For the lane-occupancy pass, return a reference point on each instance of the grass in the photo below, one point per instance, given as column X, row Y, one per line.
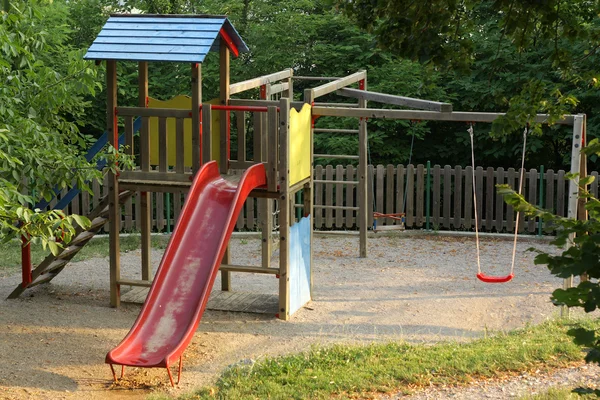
column 558, row 394
column 361, row 371
column 97, row 247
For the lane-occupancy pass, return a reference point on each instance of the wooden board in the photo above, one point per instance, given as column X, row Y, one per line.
column 256, row 303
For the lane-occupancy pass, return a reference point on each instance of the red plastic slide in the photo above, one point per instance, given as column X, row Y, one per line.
column 186, row 274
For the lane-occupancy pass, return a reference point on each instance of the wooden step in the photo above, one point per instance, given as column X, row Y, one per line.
column 41, row 279
column 82, row 237
column 56, row 264
column 69, row 251
column 98, row 222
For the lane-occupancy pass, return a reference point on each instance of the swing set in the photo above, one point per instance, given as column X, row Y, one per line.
column 425, row 110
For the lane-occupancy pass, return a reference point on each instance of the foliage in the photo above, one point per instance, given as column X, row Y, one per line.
column 580, row 241
column 525, row 57
column 41, row 103
column 344, row 371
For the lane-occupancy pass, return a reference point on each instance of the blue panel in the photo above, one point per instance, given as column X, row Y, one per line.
column 157, row 34
column 147, row 48
column 299, row 264
column 148, row 34
column 193, row 58
column 153, row 40
column 169, row 20
column 164, row 27
column 161, row 38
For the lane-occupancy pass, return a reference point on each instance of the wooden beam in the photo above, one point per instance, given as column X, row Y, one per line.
column 279, row 88
column 284, row 210
column 257, row 82
column 457, row 116
column 363, row 190
column 263, row 103
column 396, row 100
column 243, row 268
column 145, row 206
column 224, row 134
column 578, row 127
column 224, row 58
column 196, row 125
column 337, row 84
column 114, row 215
column 206, row 134
column 142, row 111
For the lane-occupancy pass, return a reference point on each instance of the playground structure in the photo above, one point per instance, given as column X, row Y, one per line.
column 274, row 170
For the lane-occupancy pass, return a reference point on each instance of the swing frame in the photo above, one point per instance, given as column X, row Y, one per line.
column 362, row 112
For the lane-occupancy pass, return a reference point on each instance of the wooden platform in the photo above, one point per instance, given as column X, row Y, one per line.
column 222, row 301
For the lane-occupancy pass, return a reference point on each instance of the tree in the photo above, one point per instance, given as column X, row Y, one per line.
column 41, row 102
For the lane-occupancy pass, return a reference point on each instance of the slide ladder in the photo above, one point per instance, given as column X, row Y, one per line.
column 52, row 265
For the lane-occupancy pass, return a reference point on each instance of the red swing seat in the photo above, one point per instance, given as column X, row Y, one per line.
column 494, row 279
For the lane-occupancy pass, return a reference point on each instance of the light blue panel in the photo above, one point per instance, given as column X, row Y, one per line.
column 148, row 48
column 95, row 55
column 149, row 33
column 170, row 26
column 168, row 19
column 300, row 264
column 122, row 40
column 164, row 38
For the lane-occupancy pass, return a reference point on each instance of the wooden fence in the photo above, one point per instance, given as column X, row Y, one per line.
column 391, row 189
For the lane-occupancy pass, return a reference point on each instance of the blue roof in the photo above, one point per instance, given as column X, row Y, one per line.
column 175, row 38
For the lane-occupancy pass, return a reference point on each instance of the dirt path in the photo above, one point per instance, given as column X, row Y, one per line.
column 415, row 288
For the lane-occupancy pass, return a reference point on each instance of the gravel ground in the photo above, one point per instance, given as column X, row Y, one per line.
column 414, row 288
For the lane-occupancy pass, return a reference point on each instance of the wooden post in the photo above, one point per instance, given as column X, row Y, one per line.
column 224, row 97
column 578, row 124
column 582, row 213
column 196, row 101
column 145, row 206
column 224, row 142
column 363, row 211
column 265, row 206
column 285, row 213
column 113, row 185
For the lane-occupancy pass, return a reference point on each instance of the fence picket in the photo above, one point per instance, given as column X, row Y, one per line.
column 436, row 197
column 479, row 190
column 457, row 195
column 350, row 197
column 379, row 171
column 447, row 201
column 329, row 197
column 420, row 206
column 532, row 197
column 389, row 193
column 370, row 193
column 489, row 198
column 510, row 213
column 318, row 219
column 400, row 186
column 499, row 216
column 339, row 196
column 410, row 191
column 560, row 193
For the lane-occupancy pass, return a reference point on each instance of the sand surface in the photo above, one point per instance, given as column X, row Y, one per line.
column 415, row 288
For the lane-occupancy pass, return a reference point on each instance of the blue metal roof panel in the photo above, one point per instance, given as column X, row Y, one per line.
column 161, row 38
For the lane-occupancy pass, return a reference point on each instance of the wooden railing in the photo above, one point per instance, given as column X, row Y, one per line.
column 392, row 189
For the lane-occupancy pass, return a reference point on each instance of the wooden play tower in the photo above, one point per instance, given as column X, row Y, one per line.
column 167, row 163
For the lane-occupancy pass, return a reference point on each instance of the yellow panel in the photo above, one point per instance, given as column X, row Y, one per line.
column 180, row 102
column 300, row 144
